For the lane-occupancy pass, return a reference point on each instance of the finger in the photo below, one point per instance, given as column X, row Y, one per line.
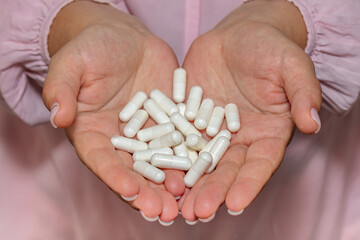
column 261, row 160
column 304, row 92
column 174, row 182
column 61, row 88
column 170, row 209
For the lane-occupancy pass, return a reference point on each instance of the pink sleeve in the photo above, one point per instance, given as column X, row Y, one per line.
column 24, row 58
column 334, row 46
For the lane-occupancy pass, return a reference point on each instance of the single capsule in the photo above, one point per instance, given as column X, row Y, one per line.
column 168, row 140
column 232, row 117
column 196, row 142
column 179, row 85
column 165, row 103
column 222, row 133
column 183, row 125
column 136, row 122
column 193, row 102
column 149, row 171
column 193, row 154
column 203, row 115
column 155, row 112
column 128, row 144
column 150, row 133
column 217, row 151
column 216, row 120
column 181, row 150
column 132, row 106
column 198, row 169
column 182, row 108
column 170, row 161
column 145, row 155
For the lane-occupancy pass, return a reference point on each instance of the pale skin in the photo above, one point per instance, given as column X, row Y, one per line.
column 252, row 58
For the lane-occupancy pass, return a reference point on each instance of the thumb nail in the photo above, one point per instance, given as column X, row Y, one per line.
column 53, row 111
column 315, row 116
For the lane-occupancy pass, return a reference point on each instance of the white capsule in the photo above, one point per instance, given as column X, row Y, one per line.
column 183, row 125
column 216, row 120
column 155, row 112
column 222, row 133
column 182, row 108
column 193, row 102
column 150, row 133
column 217, row 151
column 181, row 150
column 136, row 122
column 170, row 161
column 165, row 103
column 168, row 140
column 145, row 155
column 179, row 85
column 128, row 144
column 132, row 106
column 196, row 142
column 232, row 117
column 149, row 171
column 193, row 154
column 203, row 115
column 198, row 169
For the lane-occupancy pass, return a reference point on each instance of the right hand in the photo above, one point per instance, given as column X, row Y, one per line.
column 91, row 76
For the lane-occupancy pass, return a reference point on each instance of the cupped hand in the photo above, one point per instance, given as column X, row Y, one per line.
column 90, row 79
column 273, row 83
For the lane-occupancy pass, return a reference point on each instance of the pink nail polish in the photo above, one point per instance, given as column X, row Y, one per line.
column 315, row 116
column 53, row 111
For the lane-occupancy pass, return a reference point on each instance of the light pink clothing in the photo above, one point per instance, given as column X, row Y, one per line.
column 46, row 193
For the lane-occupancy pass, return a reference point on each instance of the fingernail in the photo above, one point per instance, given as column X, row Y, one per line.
column 205, row 220
column 315, row 116
column 129, row 199
column 148, row 218
column 53, row 111
column 165, row 223
column 235, row 213
column 191, row 222
column 177, row 198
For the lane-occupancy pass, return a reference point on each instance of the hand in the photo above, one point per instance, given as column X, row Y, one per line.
column 248, row 61
column 93, row 73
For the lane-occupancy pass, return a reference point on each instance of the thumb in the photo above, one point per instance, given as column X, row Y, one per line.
column 61, row 88
column 304, row 93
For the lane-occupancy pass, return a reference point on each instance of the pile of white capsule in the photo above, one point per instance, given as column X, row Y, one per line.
column 175, row 143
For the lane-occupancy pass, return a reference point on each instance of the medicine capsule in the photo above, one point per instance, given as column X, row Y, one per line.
column 182, row 108
column 183, row 125
column 217, row 151
column 203, row 115
column 224, row 133
column 145, row 155
column 168, row 140
column 149, row 171
column 155, row 112
column 193, row 154
column 170, row 161
column 198, row 169
column 181, row 150
column 193, row 102
column 216, row 120
column 165, row 103
column 128, row 144
column 196, row 142
column 136, row 122
column 179, row 85
column 132, row 106
column 150, row 133
column 232, row 117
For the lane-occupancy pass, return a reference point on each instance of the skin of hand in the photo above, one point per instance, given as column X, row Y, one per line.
column 100, row 58
column 254, row 58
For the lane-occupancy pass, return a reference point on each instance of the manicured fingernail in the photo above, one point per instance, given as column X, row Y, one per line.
column 235, row 213
column 53, row 111
column 191, row 222
column 205, row 220
column 177, row 198
column 129, row 199
column 315, row 116
column 165, row 223
column 148, row 218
